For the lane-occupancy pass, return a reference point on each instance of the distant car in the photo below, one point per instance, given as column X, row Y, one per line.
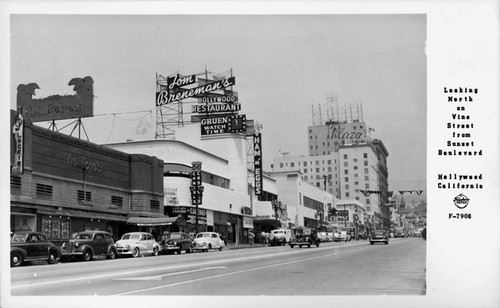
column 399, row 233
column 280, row 237
column 136, row 244
column 379, row 236
column 205, row 241
column 341, row 236
column 87, row 244
column 26, row 246
column 176, row 242
column 304, row 237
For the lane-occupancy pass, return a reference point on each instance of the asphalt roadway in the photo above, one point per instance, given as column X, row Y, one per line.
column 353, row 268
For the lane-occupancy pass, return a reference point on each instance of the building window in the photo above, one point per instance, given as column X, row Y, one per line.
column 366, row 163
column 365, row 155
column 368, row 208
column 347, row 195
column 347, row 186
column 367, row 201
column 305, row 164
column 355, row 167
column 366, row 178
column 329, row 169
column 116, row 201
column 292, row 164
column 346, row 171
column 43, row 189
column 345, row 156
column 355, row 160
column 84, row 196
column 366, row 170
column 329, row 161
column 155, row 206
column 305, row 170
column 281, row 165
column 346, row 179
column 345, row 164
column 355, row 175
column 356, row 183
column 357, row 198
column 367, row 185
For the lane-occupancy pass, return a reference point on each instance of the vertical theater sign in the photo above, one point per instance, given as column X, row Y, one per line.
column 18, row 132
column 257, row 146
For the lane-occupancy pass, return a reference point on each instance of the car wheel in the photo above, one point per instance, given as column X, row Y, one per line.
column 87, row 255
column 52, row 258
column 300, row 246
column 155, row 251
column 178, row 251
column 112, row 254
column 291, row 246
column 317, row 244
column 136, row 252
column 371, row 243
column 387, row 242
column 209, row 246
column 220, row 248
column 308, row 245
column 189, row 250
column 16, row 259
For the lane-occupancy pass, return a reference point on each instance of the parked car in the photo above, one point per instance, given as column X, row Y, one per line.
column 280, row 237
column 87, row 244
column 136, row 244
column 205, row 241
column 341, row 236
column 176, row 242
column 379, row 236
column 27, row 246
column 304, row 237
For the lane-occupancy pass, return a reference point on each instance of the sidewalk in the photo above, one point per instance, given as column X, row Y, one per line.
column 243, row 246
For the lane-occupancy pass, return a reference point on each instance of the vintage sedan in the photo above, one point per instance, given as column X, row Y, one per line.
column 26, row 246
column 304, row 237
column 176, row 242
column 136, row 244
column 87, row 244
column 379, row 236
column 205, row 241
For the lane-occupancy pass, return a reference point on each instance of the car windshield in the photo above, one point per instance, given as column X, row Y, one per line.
column 18, row 238
column 83, row 236
column 131, row 236
column 378, row 232
column 171, row 236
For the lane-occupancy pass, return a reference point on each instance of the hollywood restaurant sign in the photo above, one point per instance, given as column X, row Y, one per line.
column 177, row 94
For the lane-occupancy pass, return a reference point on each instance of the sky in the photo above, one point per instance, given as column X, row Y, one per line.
column 283, row 64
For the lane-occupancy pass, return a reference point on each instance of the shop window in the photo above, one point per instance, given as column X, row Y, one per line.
column 55, row 228
column 116, row 201
column 15, row 181
column 155, row 206
column 43, row 190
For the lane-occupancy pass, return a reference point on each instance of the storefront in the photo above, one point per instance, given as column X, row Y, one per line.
column 157, row 225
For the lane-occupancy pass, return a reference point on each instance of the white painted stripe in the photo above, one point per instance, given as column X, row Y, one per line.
column 160, row 277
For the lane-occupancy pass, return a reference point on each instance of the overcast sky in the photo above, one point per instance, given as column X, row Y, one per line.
column 283, row 65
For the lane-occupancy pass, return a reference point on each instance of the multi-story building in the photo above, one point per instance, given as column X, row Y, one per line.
column 347, row 163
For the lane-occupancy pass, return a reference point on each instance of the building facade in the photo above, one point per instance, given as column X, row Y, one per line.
column 61, row 184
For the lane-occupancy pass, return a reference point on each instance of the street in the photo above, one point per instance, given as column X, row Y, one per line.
column 352, row 268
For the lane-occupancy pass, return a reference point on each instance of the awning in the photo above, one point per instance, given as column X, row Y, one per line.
column 156, row 221
column 267, row 222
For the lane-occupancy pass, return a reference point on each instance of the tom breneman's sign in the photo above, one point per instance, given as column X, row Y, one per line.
column 177, row 94
column 223, row 125
column 257, row 148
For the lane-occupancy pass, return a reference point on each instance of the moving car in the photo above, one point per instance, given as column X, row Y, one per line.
column 342, row 236
column 26, row 246
column 205, row 241
column 280, row 237
column 136, row 244
column 304, row 237
column 176, row 242
column 87, row 244
column 379, row 236
column 399, row 232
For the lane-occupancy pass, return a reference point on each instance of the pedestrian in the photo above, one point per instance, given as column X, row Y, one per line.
column 250, row 237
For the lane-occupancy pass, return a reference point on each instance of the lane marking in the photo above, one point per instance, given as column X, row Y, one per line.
column 160, row 277
column 234, row 273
